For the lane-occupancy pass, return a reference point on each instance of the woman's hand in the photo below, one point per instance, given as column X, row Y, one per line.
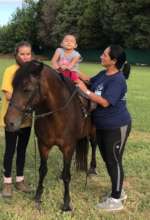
column 82, row 86
column 92, row 96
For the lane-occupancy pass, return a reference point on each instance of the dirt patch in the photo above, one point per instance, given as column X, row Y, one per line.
column 140, row 136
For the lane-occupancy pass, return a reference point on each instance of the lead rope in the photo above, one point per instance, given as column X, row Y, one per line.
column 86, row 178
column 35, row 151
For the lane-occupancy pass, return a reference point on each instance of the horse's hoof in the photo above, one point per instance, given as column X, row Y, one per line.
column 66, row 209
column 92, row 172
column 38, row 205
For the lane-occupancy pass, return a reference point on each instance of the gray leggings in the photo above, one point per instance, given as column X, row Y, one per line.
column 111, row 144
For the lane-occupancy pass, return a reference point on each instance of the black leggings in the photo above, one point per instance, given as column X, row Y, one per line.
column 15, row 140
column 111, row 143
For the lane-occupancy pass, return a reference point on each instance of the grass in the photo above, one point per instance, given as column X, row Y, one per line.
column 136, row 164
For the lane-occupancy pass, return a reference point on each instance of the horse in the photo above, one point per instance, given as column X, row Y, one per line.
column 59, row 119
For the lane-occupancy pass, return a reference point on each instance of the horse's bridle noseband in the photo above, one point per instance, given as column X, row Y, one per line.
column 27, row 110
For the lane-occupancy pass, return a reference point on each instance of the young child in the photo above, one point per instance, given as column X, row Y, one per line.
column 66, row 59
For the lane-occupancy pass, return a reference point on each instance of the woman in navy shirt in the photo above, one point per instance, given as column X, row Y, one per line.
column 112, row 119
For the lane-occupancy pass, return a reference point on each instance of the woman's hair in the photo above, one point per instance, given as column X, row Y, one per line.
column 118, row 53
column 21, row 44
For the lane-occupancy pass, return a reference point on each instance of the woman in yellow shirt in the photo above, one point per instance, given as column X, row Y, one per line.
column 15, row 140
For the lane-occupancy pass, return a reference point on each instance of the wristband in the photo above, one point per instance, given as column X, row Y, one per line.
column 88, row 92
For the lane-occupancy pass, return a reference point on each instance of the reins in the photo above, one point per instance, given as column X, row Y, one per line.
column 28, row 111
column 59, row 109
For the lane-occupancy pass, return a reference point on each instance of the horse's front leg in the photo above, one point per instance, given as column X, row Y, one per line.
column 66, row 179
column 42, row 174
column 92, row 169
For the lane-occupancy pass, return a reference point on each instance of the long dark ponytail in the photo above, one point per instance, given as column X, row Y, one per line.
column 118, row 53
column 126, row 70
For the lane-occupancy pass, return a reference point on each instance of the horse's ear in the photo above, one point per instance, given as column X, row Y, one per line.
column 36, row 67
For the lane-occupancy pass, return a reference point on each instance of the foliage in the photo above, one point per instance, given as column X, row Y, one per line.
column 97, row 23
column 20, row 27
column 48, row 10
column 90, row 30
column 7, row 39
column 67, row 19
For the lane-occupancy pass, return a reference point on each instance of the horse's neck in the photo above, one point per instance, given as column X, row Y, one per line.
column 54, row 91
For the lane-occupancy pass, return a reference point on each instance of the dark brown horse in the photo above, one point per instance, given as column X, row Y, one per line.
column 59, row 119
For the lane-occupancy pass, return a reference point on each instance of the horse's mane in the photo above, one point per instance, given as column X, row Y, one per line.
column 65, row 80
column 68, row 82
column 29, row 68
column 35, row 68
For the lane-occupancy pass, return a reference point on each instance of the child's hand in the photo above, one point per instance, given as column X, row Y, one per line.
column 64, row 67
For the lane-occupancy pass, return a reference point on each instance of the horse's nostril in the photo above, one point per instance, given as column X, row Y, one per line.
column 11, row 124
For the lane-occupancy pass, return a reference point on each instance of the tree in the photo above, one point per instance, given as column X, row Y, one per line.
column 127, row 22
column 48, row 11
column 7, row 39
column 22, row 26
column 67, row 19
column 90, row 27
column 97, row 23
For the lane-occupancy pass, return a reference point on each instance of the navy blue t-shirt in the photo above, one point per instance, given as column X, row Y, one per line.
column 113, row 88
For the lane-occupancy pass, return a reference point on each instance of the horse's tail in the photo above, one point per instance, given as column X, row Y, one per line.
column 81, row 159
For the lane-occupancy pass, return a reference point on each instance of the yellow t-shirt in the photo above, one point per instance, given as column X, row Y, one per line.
column 7, row 86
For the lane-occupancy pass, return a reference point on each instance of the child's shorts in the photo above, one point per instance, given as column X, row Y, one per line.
column 73, row 75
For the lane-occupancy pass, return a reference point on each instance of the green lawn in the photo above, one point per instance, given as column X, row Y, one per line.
column 136, row 165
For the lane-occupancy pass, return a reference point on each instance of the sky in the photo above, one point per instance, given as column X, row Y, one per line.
column 7, row 8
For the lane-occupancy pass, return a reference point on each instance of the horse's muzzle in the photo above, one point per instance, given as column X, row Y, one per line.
column 12, row 125
column 11, row 128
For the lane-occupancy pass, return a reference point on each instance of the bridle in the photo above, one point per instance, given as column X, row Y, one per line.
column 27, row 110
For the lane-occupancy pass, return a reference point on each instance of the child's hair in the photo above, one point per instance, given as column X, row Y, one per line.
column 118, row 53
column 21, row 44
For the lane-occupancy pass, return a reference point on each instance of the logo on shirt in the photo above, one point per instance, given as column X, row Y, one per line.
column 99, row 89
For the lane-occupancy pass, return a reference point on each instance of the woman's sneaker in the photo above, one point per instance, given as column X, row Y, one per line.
column 110, row 204
column 123, row 196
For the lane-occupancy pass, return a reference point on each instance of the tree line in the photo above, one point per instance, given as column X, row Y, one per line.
column 96, row 23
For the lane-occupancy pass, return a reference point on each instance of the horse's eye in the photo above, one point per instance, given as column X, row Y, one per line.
column 26, row 91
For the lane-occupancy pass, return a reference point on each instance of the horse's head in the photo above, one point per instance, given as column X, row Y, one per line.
column 25, row 95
